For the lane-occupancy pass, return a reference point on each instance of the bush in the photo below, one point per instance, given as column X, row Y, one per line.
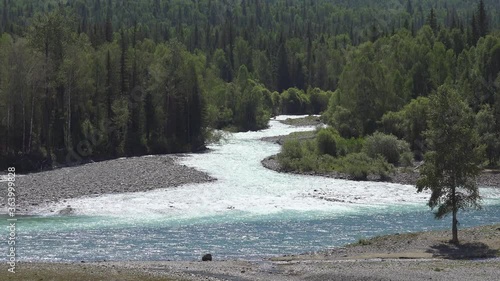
column 364, row 242
column 326, row 143
column 359, row 166
column 326, row 163
column 291, row 153
column 392, row 123
column 406, row 159
column 382, row 168
column 347, row 123
column 356, row 165
column 348, row 146
column 299, row 156
column 387, row 146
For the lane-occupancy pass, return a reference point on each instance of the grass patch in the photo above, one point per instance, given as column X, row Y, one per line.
column 363, row 242
column 84, row 272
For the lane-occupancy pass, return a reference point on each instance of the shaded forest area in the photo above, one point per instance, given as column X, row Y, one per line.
column 98, row 79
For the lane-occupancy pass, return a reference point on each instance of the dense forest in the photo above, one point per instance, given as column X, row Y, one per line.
column 97, row 79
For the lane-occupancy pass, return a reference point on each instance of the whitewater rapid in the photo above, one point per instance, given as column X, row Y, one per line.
column 249, row 212
column 244, row 188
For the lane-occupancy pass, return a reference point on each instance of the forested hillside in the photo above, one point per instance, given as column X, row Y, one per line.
column 98, row 79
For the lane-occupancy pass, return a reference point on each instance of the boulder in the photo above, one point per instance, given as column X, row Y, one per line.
column 207, row 257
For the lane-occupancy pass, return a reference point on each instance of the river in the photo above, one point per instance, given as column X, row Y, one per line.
column 248, row 213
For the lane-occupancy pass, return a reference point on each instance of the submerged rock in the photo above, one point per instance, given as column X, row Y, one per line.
column 67, row 211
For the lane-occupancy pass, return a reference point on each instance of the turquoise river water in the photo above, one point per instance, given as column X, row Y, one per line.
column 248, row 213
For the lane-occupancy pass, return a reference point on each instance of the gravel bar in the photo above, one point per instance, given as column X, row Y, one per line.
column 122, row 175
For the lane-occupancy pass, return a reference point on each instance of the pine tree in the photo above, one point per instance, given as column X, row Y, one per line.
column 409, row 7
column 123, row 64
column 432, row 21
column 109, row 22
column 5, row 16
column 475, row 33
column 283, row 71
column 453, row 162
column 482, row 20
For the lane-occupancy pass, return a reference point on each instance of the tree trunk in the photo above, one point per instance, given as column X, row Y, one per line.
column 454, row 228
column 68, row 143
column 31, row 119
column 24, row 127
column 7, row 138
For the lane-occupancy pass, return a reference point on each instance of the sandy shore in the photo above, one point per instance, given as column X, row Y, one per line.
column 413, row 256
column 113, row 176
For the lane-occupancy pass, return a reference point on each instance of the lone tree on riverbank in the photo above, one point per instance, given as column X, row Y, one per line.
column 453, row 161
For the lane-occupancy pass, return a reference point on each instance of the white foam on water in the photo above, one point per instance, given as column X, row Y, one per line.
column 245, row 189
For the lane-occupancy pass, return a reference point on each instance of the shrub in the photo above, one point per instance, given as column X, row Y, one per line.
column 291, row 153
column 392, row 123
column 382, row 168
column 406, row 159
column 345, row 121
column 348, row 146
column 298, row 156
column 326, row 143
column 359, row 166
column 356, row 165
column 326, row 163
column 387, row 146
column 364, row 242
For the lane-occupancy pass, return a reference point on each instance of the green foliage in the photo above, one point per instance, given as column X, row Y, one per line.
column 296, row 156
column 151, row 76
column 406, row 159
column 294, row 101
column 344, row 121
column 364, row 242
column 382, row 168
column 244, row 105
column 359, row 166
column 318, row 100
column 326, row 142
column 386, row 146
column 321, row 155
column 409, row 124
column 453, row 162
column 486, row 128
column 348, row 146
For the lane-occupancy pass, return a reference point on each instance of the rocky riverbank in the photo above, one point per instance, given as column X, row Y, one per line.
column 401, row 176
column 410, row 256
column 114, row 176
